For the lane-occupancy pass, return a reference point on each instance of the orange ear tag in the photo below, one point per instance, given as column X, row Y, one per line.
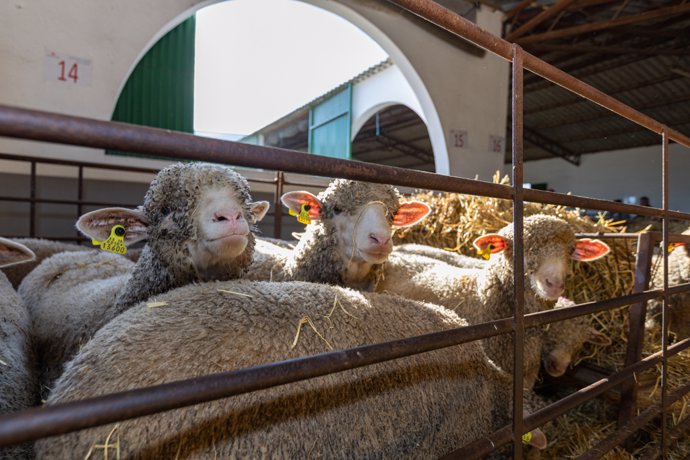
column 486, row 252
column 673, row 246
column 115, row 242
column 303, row 216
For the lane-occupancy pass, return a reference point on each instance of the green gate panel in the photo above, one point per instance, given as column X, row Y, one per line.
column 160, row 90
column 330, row 126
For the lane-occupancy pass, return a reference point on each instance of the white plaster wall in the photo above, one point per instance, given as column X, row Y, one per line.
column 618, row 174
column 385, row 88
column 456, row 90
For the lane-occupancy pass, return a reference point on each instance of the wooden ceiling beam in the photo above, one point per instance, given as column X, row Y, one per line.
column 659, row 13
column 513, row 14
column 553, row 10
column 592, row 49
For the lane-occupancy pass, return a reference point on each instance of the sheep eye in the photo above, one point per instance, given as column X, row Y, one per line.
column 165, row 211
column 337, row 210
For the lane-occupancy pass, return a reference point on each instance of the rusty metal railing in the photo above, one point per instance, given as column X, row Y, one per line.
column 48, row 127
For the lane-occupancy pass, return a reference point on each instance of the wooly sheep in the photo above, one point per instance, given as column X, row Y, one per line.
column 679, row 304
column 17, row 364
column 197, row 220
column 421, row 406
column 45, row 248
column 348, row 239
column 481, row 295
column 449, row 257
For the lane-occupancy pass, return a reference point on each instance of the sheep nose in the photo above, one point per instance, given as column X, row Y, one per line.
column 226, row 215
column 554, row 284
column 380, row 240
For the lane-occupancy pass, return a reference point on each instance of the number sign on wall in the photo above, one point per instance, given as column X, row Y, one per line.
column 67, row 70
column 458, row 139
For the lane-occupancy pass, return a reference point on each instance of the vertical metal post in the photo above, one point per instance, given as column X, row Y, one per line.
column 664, row 314
column 80, row 193
column 637, row 312
column 32, row 204
column 278, row 213
column 518, row 257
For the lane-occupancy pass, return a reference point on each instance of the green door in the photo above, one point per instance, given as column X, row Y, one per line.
column 330, row 125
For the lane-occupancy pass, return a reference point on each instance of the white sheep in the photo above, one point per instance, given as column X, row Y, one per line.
column 481, row 295
column 679, row 304
column 421, row 406
column 449, row 257
column 348, row 239
column 197, row 220
column 17, row 364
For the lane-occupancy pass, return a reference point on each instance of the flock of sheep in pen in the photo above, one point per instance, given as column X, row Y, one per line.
column 206, row 295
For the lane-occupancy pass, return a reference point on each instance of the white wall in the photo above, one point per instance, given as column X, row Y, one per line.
column 618, row 174
column 457, row 91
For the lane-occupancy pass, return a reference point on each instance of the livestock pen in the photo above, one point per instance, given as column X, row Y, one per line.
column 45, row 421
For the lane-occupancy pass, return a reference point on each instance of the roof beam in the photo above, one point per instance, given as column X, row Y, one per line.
column 592, row 49
column 601, row 25
column 538, row 19
column 517, row 10
column 551, row 146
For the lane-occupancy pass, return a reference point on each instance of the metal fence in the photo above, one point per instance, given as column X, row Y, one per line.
column 41, row 126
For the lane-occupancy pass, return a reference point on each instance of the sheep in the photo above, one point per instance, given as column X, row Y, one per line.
column 17, row 363
column 679, row 304
column 481, row 295
column 420, row 406
column 43, row 249
column 449, row 257
column 348, row 239
column 198, row 221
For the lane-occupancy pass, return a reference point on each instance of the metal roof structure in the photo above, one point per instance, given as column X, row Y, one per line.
column 637, row 51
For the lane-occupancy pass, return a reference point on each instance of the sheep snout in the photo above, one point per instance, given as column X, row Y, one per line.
column 557, row 362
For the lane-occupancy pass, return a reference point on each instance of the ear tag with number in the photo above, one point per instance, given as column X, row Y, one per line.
column 303, row 216
column 115, row 242
column 486, row 252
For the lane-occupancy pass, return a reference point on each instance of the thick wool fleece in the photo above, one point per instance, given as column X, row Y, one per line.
column 481, row 295
column 449, row 257
column 316, row 257
column 17, row 371
column 421, row 406
column 165, row 262
column 71, row 295
column 679, row 304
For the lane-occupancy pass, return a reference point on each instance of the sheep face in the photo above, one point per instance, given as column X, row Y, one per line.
column 549, row 243
column 196, row 217
column 361, row 215
column 12, row 253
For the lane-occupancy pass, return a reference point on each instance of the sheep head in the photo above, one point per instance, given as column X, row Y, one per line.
column 196, row 217
column 362, row 216
column 549, row 243
column 12, row 253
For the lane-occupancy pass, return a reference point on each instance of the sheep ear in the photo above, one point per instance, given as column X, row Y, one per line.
column 410, row 213
column 537, row 438
column 97, row 224
column 14, row 253
column 597, row 338
column 295, row 200
column 259, row 209
column 497, row 242
column 587, row 250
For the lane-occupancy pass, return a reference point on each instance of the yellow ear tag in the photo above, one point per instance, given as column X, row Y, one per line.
column 115, row 242
column 486, row 252
column 527, row 437
column 303, row 216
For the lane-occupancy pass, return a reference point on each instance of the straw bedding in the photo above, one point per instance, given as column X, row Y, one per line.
column 457, row 220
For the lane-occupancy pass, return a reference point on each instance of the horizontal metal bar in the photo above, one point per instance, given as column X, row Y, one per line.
column 65, row 129
column 484, row 446
column 34, row 423
column 454, row 23
column 70, row 202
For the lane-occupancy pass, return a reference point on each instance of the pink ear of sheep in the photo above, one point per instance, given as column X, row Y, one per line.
column 97, row 224
column 496, row 241
column 410, row 213
column 588, row 250
column 295, row 200
column 14, row 253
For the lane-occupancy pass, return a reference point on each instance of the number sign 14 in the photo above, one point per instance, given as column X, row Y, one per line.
column 66, row 69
